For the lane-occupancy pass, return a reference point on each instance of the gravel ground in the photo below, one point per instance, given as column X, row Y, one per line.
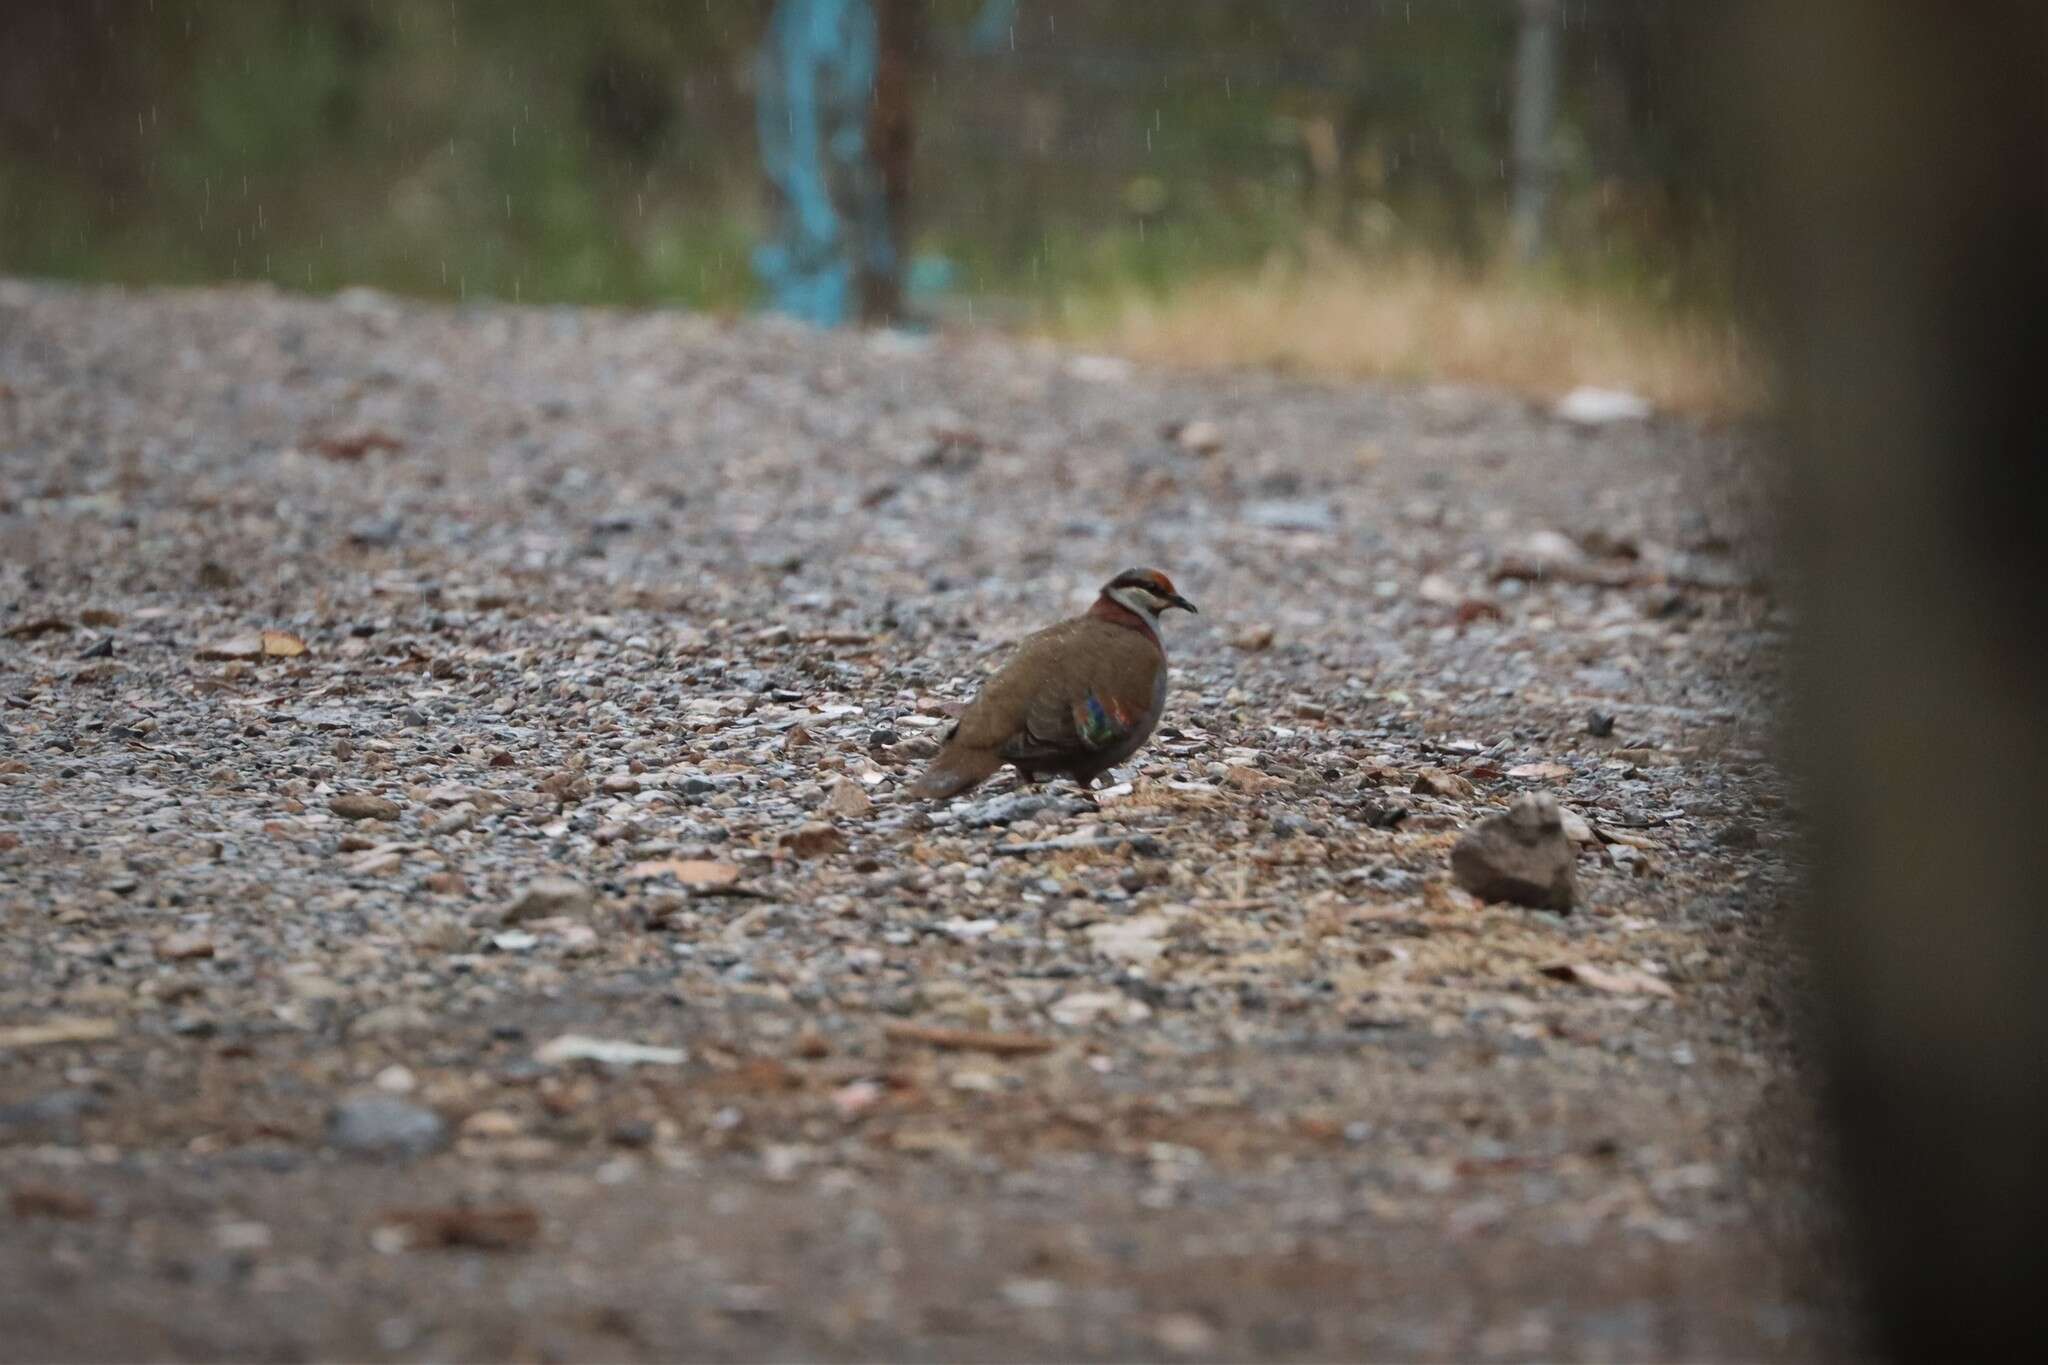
column 402, row 707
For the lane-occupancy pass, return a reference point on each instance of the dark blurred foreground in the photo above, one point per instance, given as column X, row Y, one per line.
column 1906, row 217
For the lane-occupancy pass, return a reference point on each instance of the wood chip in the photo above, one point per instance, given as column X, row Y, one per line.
column 967, row 1039
column 50, row 1201
column 502, row 1227
column 29, row 630
column 185, row 947
column 356, row 445
column 689, row 871
column 1613, row 980
column 58, row 1030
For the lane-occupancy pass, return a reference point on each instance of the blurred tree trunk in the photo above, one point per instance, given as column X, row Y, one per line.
column 892, row 132
column 1535, row 118
column 1905, row 227
column 71, row 80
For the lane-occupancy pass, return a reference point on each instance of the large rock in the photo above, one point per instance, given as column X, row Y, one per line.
column 1520, row 855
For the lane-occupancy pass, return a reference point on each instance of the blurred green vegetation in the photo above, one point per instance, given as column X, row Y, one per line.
column 604, row 151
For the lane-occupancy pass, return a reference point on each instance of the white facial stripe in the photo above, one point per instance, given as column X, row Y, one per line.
column 1141, row 600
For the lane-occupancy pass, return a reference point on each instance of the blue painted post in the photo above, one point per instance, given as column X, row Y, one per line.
column 817, row 80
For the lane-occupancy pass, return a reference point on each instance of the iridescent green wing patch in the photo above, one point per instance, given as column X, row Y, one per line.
column 1101, row 723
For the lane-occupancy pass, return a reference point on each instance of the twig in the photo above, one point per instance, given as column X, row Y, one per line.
column 1140, row 843
column 967, row 1039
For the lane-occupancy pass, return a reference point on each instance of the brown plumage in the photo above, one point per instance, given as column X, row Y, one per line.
column 1076, row 699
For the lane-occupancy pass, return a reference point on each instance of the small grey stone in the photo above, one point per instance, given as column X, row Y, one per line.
column 57, row 1110
column 632, row 1133
column 375, row 532
column 385, row 1126
column 1008, row 809
column 1291, row 514
column 1393, row 879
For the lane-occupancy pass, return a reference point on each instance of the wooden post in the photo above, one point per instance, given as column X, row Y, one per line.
column 892, row 139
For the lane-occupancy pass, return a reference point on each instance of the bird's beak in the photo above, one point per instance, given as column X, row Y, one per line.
column 1178, row 601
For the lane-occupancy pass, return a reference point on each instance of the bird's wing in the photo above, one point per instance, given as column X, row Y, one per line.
column 1064, row 726
column 1071, row 690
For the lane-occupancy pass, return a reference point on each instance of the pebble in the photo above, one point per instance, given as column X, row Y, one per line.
column 454, row 821
column 185, row 947
column 1200, row 437
column 382, row 1125
column 548, row 898
column 813, row 840
column 364, row 806
column 56, row 1110
column 1440, row 783
column 849, row 800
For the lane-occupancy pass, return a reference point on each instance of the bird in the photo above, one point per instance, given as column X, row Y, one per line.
column 1076, row 698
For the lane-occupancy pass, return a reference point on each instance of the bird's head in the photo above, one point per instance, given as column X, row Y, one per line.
column 1145, row 591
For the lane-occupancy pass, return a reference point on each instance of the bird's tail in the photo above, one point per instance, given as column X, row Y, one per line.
column 954, row 771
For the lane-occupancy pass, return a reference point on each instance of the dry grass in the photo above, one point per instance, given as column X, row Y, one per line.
column 1343, row 318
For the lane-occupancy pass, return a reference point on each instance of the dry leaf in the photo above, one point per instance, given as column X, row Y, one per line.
column 504, row 1227
column 275, row 644
column 234, row 647
column 1541, row 772
column 688, row 871
column 1613, row 980
column 355, row 446
column 967, row 1040
column 50, row 1201
column 29, row 630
